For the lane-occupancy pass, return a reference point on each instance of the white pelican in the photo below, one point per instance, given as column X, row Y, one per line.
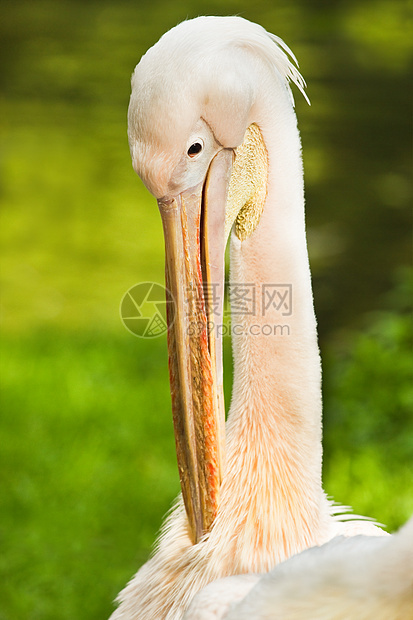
column 213, row 135
column 347, row 578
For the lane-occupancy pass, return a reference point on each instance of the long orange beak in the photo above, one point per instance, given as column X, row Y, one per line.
column 194, row 229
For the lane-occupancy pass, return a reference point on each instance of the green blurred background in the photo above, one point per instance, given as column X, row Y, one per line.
column 86, row 446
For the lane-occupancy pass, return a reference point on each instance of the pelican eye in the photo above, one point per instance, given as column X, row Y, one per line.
column 195, row 149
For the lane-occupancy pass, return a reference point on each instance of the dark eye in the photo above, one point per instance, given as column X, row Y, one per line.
column 194, row 149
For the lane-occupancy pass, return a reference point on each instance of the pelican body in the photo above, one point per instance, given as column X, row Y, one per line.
column 213, row 135
column 357, row 577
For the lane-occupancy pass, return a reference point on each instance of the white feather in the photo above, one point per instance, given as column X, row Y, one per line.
column 362, row 577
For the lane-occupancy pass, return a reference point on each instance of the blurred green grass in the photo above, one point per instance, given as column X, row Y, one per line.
column 368, row 413
column 86, row 444
column 88, row 468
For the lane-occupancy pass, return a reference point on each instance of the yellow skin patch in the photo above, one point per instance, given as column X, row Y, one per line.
column 248, row 185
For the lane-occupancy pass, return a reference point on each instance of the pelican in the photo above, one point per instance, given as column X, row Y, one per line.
column 213, row 135
column 357, row 577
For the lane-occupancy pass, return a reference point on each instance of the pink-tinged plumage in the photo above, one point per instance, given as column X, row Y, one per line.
column 357, row 577
column 213, row 77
